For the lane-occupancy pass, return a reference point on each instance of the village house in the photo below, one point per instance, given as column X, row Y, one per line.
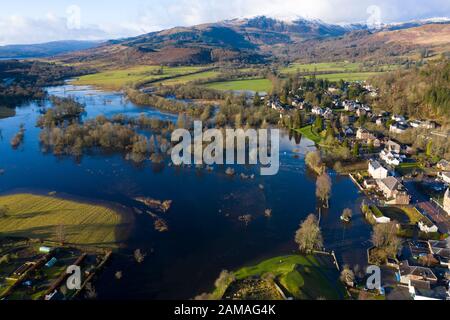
column 380, row 122
column 317, row 110
column 394, row 192
column 398, row 118
column 416, row 276
column 447, row 201
column 427, row 226
column 361, row 112
column 441, row 249
column 393, row 146
column 350, row 105
column 443, row 165
column 398, row 128
column 376, row 170
column 445, row 176
column 423, row 124
column 362, row 134
column 328, row 114
column 391, row 158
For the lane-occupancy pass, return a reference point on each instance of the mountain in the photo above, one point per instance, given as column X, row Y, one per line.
column 385, row 45
column 44, row 49
column 261, row 39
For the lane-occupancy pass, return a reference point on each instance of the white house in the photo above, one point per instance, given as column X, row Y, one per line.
column 391, row 158
column 376, row 170
column 445, row 176
column 398, row 128
column 317, row 110
column 427, row 226
column 398, row 118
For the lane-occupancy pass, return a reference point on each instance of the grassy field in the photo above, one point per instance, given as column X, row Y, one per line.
column 191, row 77
column 348, row 76
column 34, row 216
column 257, row 85
column 308, row 133
column 304, row 277
column 322, row 67
column 117, row 79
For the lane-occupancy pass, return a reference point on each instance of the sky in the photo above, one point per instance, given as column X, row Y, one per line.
column 30, row 21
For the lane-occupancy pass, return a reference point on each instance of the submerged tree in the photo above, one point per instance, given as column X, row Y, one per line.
column 308, row 236
column 323, row 188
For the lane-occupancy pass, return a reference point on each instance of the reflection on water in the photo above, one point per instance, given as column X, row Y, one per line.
column 205, row 234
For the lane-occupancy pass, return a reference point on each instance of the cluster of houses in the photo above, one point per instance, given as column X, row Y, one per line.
column 392, row 189
column 429, row 280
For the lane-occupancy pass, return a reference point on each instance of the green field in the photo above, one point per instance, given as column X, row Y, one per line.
column 34, row 216
column 117, row 79
column 348, row 76
column 256, row 85
column 308, row 133
column 303, row 277
column 191, row 77
column 331, row 67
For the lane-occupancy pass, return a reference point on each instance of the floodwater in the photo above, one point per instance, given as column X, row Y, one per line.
column 205, row 235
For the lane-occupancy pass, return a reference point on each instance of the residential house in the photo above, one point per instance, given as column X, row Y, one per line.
column 361, row 112
column 348, row 131
column 350, row 105
column 393, row 146
column 443, row 165
column 447, row 201
column 317, row 110
column 391, row 158
column 376, row 170
column 423, row 124
column 425, row 225
column 328, row 114
column 398, row 118
column 394, row 191
column 380, row 122
column 398, row 128
column 441, row 249
column 416, row 275
column 362, row 134
column 445, row 176
column 277, row 105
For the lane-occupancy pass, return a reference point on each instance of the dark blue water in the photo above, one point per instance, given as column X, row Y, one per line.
column 204, row 235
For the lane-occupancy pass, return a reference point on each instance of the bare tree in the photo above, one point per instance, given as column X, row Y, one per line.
column 90, row 291
column 384, row 237
column 139, row 256
column 347, row 214
column 347, row 276
column 323, row 188
column 308, row 236
column 314, row 161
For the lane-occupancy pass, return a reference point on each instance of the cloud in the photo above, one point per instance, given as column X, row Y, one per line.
column 21, row 30
column 141, row 16
column 189, row 12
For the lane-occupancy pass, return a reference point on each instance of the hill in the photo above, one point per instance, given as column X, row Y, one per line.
column 44, row 49
column 384, row 45
column 263, row 39
column 418, row 92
